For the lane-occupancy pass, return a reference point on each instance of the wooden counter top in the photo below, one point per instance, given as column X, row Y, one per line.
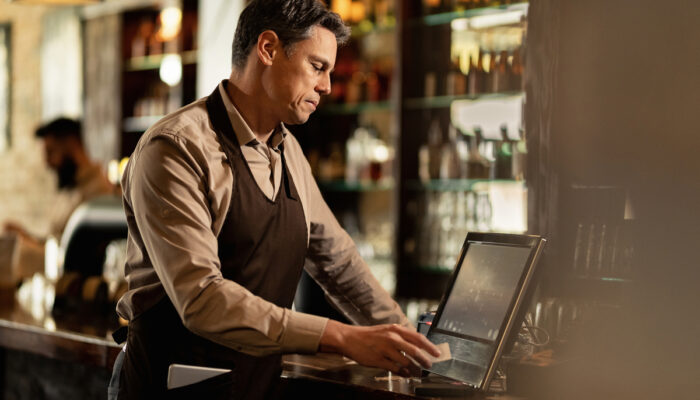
column 79, row 338
column 333, row 376
column 87, row 340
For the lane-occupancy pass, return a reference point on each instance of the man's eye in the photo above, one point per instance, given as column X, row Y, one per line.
column 318, row 68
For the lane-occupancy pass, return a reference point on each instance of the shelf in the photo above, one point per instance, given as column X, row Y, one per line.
column 149, row 63
column 436, row 269
column 360, row 186
column 457, row 185
column 446, row 101
column 448, row 17
column 356, row 108
column 140, row 124
column 368, row 28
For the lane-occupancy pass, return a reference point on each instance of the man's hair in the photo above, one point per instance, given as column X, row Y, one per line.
column 61, row 128
column 291, row 20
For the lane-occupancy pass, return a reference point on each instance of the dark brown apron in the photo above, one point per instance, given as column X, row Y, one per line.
column 262, row 246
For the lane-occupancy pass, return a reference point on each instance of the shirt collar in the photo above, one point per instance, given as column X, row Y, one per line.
column 243, row 132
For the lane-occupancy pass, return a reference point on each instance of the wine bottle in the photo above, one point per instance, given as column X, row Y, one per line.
column 504, row 157
column 429, row 154
column 456, row 80
column 478, row 166
column 515, row 79
column 450, row 160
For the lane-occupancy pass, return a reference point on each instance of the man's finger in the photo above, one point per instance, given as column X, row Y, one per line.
column 419, row 340
column 398, row 357
column 417, row 355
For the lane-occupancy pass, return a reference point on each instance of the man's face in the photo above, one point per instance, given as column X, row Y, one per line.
column 59, row 158
column 295, row 82
column 54, row 151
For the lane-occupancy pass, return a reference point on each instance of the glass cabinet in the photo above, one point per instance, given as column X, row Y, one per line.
column 462, row 141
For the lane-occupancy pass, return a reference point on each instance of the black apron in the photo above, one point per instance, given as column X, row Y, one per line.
column 262, row 246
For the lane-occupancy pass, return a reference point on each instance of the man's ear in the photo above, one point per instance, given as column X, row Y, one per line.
column 268, row 46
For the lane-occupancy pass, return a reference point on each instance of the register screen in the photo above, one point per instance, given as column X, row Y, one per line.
column 483, row 290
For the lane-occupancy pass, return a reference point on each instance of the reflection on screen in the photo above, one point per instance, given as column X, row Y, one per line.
column 483, row 290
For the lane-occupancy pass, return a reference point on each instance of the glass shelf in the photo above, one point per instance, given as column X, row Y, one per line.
column 446, row 101
column 356, row 108
column 448, row 17
column 360, row 186
column 140, row 124
column 456, row 185
column 148, row 63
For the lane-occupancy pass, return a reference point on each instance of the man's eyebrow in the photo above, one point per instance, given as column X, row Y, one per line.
column 321, row 60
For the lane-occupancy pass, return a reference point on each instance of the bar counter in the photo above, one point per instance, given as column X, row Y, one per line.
column 46, row 356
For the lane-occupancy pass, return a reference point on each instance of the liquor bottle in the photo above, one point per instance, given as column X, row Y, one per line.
column 463, row 155
column 477, row 75
column 446, row 258
column 488, row 151
column 456, row 80
column 139, row 43
column 478, row 167
column 504, row 157
column 450, row 167
column 430, row 153
column 519, row 158
column 492, row 76
column 515, row 79
column 500, row 76
column 472, row 78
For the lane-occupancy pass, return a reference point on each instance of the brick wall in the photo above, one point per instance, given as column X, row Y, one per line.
column 26, row 185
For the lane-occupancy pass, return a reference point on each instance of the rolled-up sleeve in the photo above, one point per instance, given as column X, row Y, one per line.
column 168, row 194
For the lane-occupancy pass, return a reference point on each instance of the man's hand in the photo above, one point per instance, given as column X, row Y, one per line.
column 13, row 227
column 382, row 346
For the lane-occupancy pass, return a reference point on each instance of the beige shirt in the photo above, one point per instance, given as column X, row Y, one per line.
column 177, row 189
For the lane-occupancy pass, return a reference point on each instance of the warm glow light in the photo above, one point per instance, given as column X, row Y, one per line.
column 51, row 259
column 170, row 20
column 460, row 24
column 122, row 166
column 342, row 8
column 171, row 69
column 357, row 11
column 513, row 15
column 380, row 153
column 113, row 172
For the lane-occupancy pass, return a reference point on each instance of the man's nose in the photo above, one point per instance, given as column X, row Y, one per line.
column 324, row 84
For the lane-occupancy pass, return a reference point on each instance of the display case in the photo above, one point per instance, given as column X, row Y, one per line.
column 462, row 147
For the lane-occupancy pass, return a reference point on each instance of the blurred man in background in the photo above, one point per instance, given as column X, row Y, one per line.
column 79, row 179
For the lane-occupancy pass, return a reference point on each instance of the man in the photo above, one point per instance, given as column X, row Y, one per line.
column 79, row 178
column 224, row 213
